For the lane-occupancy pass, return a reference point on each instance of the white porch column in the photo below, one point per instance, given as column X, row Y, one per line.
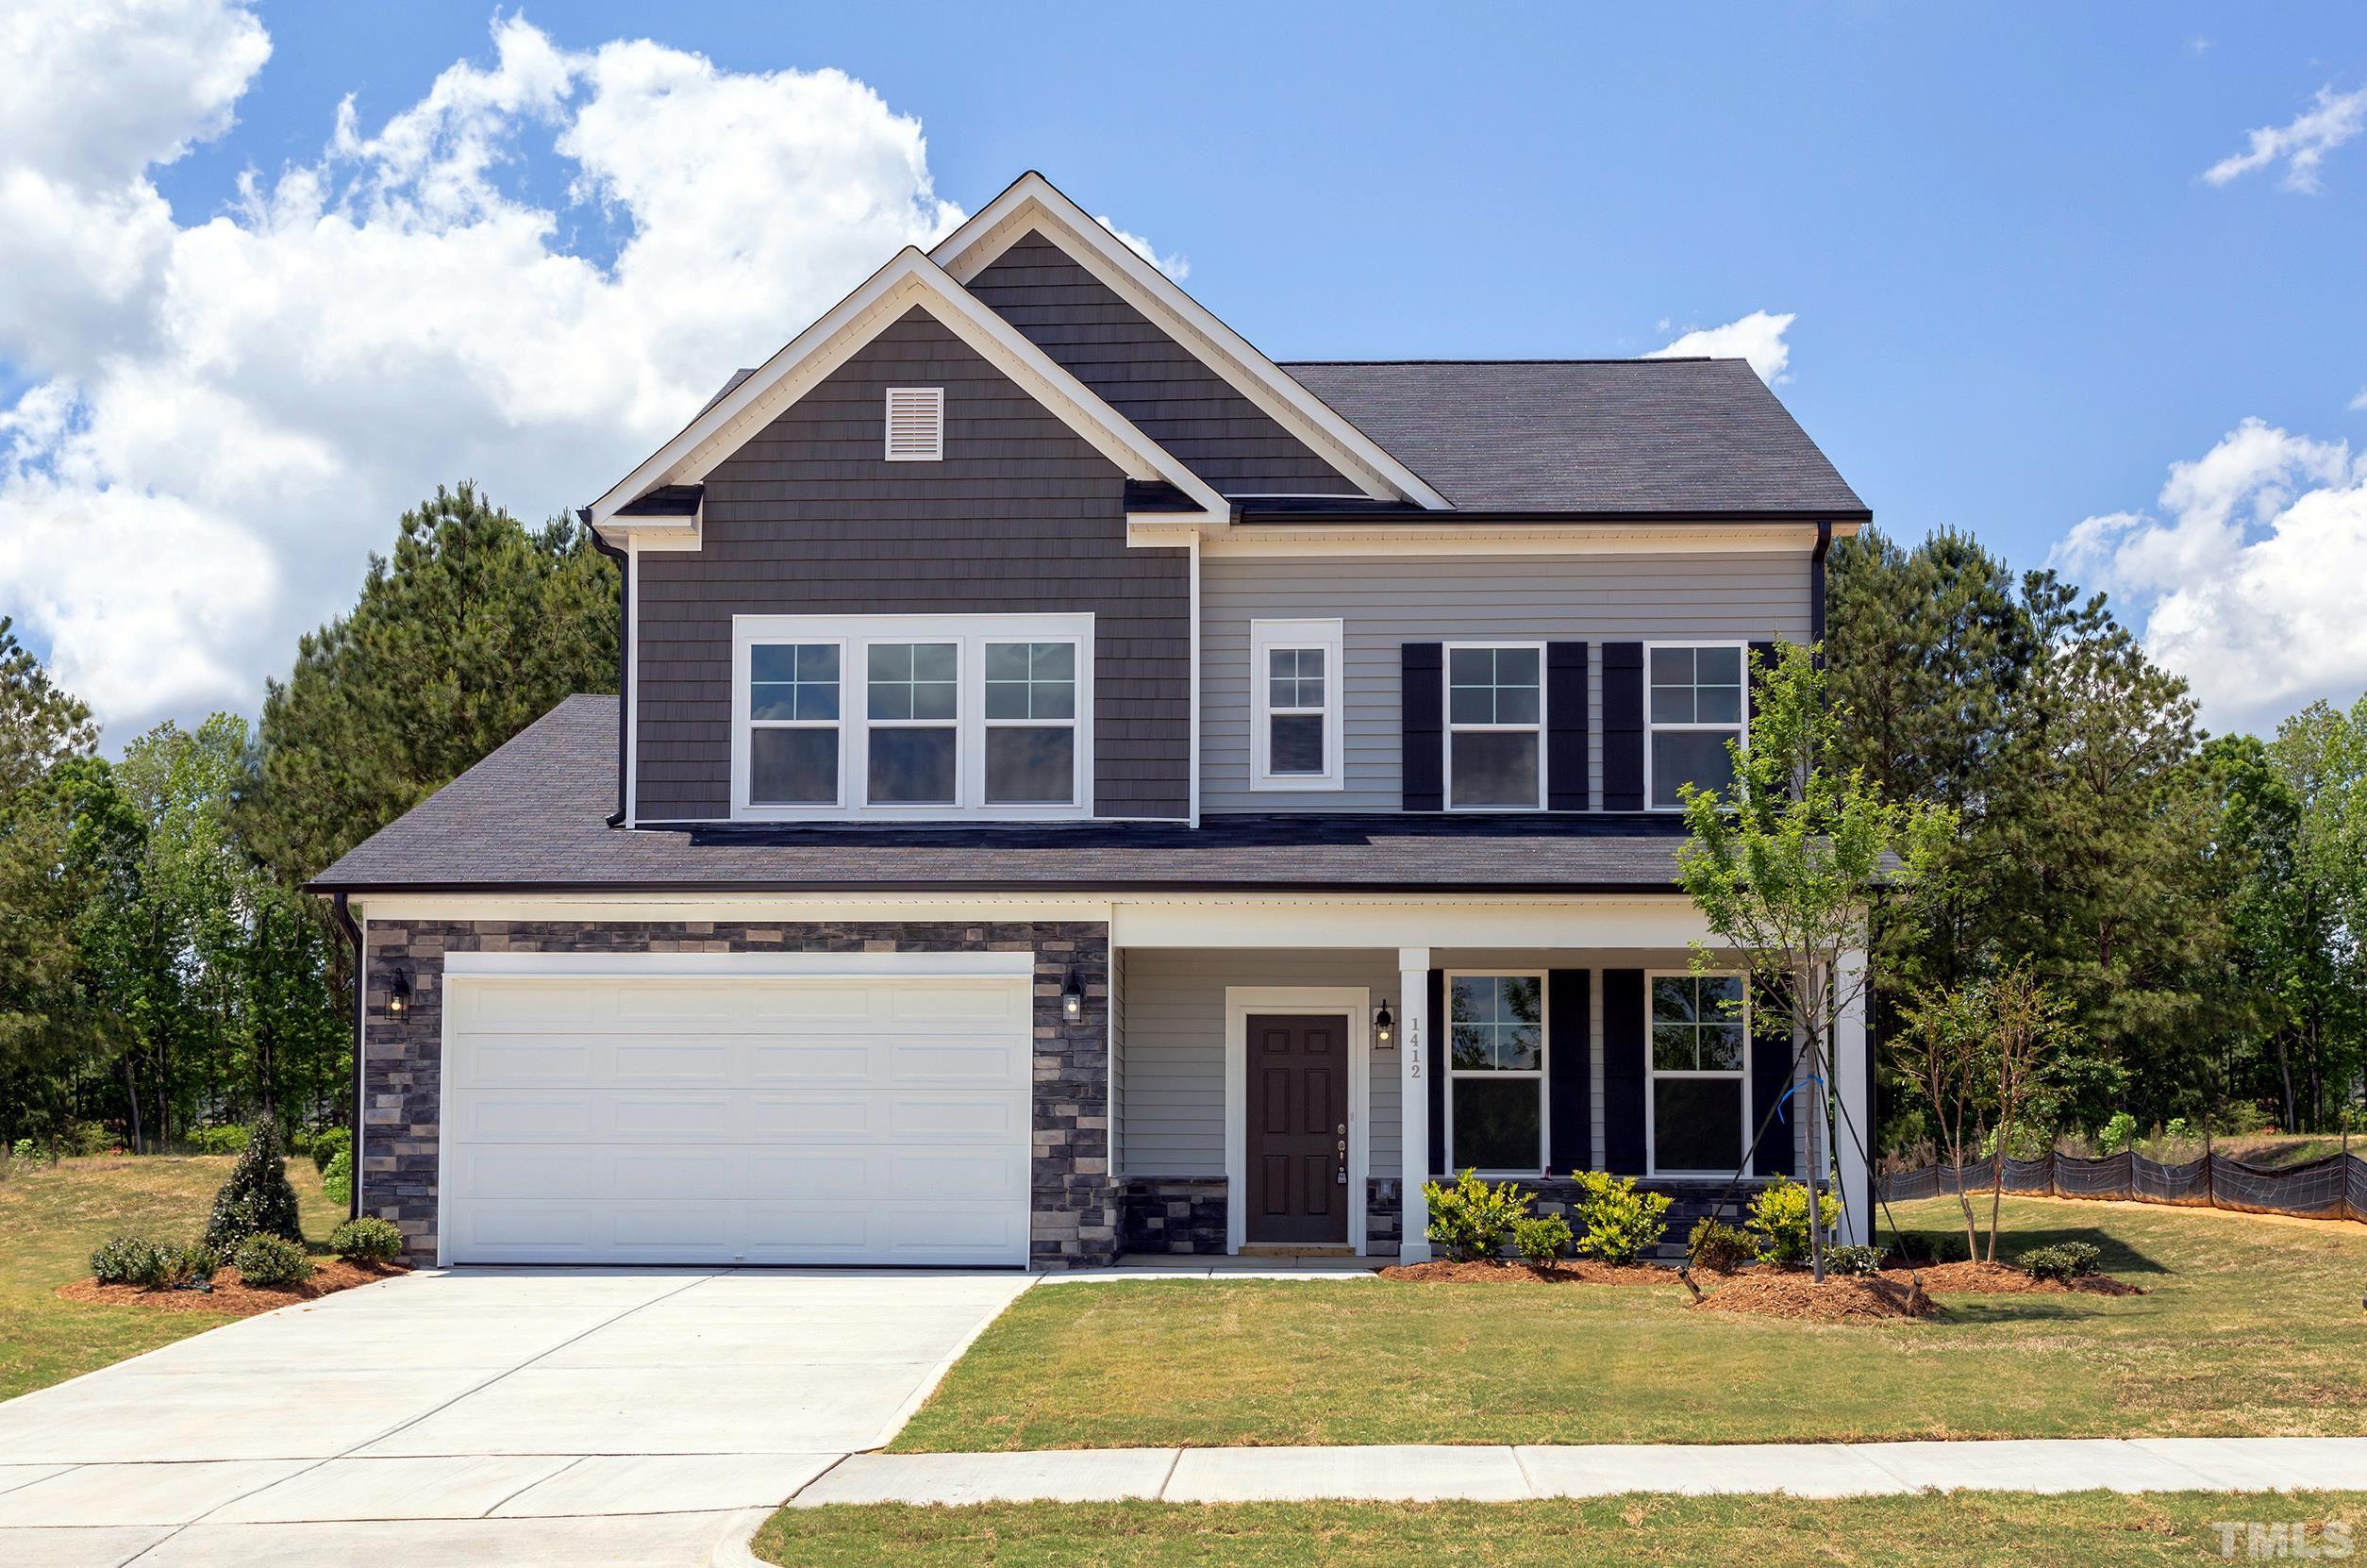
column 1414, row 1056
column 1853, row 1086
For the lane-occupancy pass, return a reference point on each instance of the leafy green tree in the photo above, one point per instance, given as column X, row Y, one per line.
column 1788, row 864
column 471, row 629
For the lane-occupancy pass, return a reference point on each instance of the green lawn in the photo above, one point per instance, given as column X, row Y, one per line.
column 2093, row 1528
column 2248, row 1328
column 50, row 1219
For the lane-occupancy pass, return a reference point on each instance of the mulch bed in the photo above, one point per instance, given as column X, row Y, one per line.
column 1575, row 1271
column 1998, row 1279
column 233, row 1296
column 1842, row 1298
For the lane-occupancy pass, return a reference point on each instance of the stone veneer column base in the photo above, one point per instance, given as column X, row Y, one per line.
column 1077, row 1207
column 1182, row 1216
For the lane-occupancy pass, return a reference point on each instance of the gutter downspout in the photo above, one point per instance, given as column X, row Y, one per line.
column 623, row 651
column 361, row 1009
column 1816, row 582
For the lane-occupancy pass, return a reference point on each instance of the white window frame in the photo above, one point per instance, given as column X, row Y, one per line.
column 1267, row 638
column 1653, row 1074
column 1741, row 729
column 746, row 723
column 935, row 398
column 1448, row 728
column 1444, row 1055
column 855, row 635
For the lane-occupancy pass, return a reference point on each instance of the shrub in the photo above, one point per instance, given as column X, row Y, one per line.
column 1779, row 1217
column 1863, row 1261
column 257, row 1200
column 184, row 1267
column 89, row 1138
column 328, row 1143
column 2179, row 1130
column 1622, row 1224
column 264, row 1260
column 2065, row 1261
column 1917, row 1249
column 125, row 1261
column 1719, row 1247
column 2118, row 1133
column 337, row 1182
column 25, row 1151
column 1541, row 1238
column 1472, row 1219
column 368, row 1239
column 229, row 1138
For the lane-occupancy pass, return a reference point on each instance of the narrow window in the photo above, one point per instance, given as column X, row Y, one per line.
column 1031, row 724
column 1695, row 709
column 1700, row 1033
column 1295, row 678
column 916, row 425
column 1493, row 709
column 1497, row 1072
column 913, row 712
column 793, row 724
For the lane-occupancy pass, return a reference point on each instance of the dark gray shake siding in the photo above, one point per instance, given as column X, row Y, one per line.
column 1148, row 376
column 1077, row 1208
column 809, row 518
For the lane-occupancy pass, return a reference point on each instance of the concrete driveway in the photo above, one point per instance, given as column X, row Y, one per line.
column 482, row 1415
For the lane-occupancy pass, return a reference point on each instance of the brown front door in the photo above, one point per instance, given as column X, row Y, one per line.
column 1298, row 1127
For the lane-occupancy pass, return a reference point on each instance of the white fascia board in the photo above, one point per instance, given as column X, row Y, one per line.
column 1033, row 204
column 1448, row 538
column 910, row 966
column 910, row 279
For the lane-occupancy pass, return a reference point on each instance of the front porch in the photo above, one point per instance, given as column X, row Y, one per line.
column 1269, row 1099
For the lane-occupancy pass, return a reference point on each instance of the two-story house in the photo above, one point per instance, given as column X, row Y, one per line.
column 1080, row 786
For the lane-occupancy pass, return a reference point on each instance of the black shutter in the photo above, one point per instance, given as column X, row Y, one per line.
column 1770, row 1074
column 1623, row 727
column 1442, row 1035
column 1565, row 727
column 1623, row 1076
column 1566, row 1065
column 1422, row 714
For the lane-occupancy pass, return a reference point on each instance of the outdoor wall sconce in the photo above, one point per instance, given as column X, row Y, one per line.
column 1384, row 1028
column 1073, row 1000
column 398, row 993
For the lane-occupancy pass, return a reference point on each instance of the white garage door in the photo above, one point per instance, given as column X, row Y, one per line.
column 734, row 1116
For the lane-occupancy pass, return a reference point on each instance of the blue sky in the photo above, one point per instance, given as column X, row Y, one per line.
column 2017, row 299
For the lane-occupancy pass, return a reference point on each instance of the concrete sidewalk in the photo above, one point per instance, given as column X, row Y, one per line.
column 1503, row 1474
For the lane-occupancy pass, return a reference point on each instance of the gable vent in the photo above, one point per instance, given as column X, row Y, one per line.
column 916, row 425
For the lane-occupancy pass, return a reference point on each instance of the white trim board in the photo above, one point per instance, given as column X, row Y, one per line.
column 966, row 966
column 1353, row 1003
column 1034, row 205
column 907, row 280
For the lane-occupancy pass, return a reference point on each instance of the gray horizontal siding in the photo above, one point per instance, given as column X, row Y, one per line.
column 1171, row 1116
column 1389, row 600
column 809, row 517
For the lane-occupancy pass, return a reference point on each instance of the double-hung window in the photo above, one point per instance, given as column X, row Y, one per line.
column 1294, row 666
column 1495, row 1079
column 905, row 717
column 1494, row 737
column 1700, row 1060
column 1696, row 706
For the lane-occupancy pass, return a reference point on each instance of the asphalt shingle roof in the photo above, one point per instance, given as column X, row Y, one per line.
column 1607, row 437
column 534, row 815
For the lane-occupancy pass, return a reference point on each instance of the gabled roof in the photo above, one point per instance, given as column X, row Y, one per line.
column 1602, row 437
column 1033, row 205
column 533, row 816
column 753, row 400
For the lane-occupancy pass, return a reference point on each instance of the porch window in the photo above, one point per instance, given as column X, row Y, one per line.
column 1495, row 1081
column 1294, row 666
column 1494, row 713
column 1696, row 706
column 1700, row 1061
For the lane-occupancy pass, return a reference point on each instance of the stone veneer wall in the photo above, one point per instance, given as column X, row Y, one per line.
column 1383, row 1218
column 1176, row 1214
column 1076, row 1205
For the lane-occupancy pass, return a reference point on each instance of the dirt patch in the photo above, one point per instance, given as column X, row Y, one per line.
column 1577, row 1270
column 1840, row 1299
column 1998, row 1279
column 233, row 1296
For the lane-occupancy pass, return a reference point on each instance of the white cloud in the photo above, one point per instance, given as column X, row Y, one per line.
column 2358, row 404
column 1757, row 337
column 2248, row 578
column 1175, row 267
column 224, row 415
column 2301, row 143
